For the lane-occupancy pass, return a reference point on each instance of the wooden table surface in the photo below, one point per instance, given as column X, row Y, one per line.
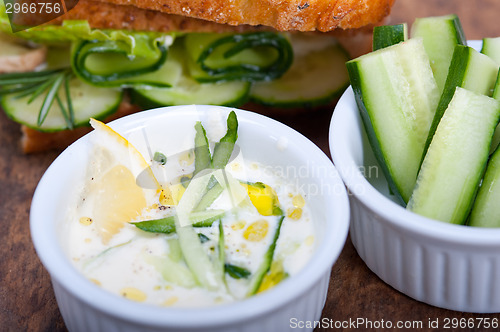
column 27, row 302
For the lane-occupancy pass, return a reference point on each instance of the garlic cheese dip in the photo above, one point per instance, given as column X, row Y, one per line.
column 190, row 229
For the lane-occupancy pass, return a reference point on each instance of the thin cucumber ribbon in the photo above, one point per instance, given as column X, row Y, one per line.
column 258, row 56
column 110, row 63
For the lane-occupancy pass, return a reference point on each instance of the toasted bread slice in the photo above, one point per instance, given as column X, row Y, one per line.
column 283, row 15
column 103, row 15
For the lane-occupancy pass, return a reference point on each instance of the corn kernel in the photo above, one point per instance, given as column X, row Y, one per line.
column 133, row 294
column 88, row 240
column 171, row 301
column 298, row 201
column 263, row 197
column 256, row 231
column 238, row 225
column 294, row 214
column 168, row 287
column 86, row 221
column 157, row 287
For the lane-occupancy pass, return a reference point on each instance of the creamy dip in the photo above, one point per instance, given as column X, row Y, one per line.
column 149, row 267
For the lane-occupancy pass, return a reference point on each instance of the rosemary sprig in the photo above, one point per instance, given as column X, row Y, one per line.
column 35, row 84
column 49, row 99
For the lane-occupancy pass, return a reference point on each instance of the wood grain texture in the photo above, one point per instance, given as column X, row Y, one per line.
column 27, row 302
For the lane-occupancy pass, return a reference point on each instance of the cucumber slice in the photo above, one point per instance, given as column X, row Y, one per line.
column 88, row 102
column 188, row 91
column 485, row 211
column 470, row 70
column 457, row 156
column 440, row 34
column 388, row 35
column 491, row 47
column 396, row 94
column 315, row 78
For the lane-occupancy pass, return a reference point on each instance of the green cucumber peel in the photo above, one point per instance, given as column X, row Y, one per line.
column 202, row 157
column 224, row 149
column 388, row 35
column 264, row 267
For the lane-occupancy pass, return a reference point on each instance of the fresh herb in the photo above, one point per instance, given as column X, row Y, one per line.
column 236, row 272
column 35, row 84
column 203, row 238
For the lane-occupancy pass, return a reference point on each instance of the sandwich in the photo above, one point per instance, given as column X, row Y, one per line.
column 105, row 59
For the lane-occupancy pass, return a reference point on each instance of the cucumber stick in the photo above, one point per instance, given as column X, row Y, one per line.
column 388, row 35
column 470, row 70
column 454, row 163
column 441, row 34
column 396, row 94
column 496, row 136
column 88, row 102
column 491, row 47
column 485, row 211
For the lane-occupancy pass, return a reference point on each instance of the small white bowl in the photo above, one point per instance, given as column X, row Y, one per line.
column 86, row 307
column 449, row 266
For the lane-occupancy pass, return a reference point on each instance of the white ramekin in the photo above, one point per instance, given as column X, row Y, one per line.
column 450, row 266
column 86, row 307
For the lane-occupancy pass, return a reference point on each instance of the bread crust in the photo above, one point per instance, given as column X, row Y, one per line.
column 103, row 15
column 283, row 15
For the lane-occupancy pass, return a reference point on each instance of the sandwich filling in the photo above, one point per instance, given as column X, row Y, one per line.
column 156, row 67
